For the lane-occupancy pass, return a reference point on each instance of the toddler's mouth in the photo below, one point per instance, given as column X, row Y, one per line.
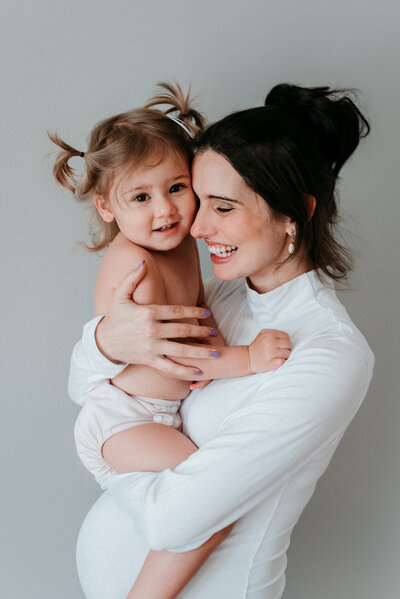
column 167, row 227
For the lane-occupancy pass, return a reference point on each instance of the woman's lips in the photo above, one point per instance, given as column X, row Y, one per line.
column 221, row 253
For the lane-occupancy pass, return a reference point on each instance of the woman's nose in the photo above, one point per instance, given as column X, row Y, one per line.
column 202, row 227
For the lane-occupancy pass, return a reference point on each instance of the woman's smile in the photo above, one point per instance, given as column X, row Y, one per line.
column 244, row 237
column 220, row 252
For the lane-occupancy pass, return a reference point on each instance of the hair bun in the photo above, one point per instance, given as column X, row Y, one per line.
column 333, row 116
column 294, row 97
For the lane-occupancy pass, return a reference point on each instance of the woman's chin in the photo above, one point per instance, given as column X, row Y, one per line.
column 225, row 274
column 225, row 268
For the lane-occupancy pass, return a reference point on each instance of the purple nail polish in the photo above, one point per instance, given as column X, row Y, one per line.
column 214, row 354
column 213, row 333
column 139, row 266
column 206, row 313
column 198, row 372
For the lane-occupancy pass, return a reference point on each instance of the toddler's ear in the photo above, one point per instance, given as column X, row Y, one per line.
column 103, row 208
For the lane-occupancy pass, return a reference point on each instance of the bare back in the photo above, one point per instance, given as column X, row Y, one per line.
column 172, row 277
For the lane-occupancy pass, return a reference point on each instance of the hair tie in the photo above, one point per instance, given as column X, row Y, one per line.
column 82, row 154
column 180, row 123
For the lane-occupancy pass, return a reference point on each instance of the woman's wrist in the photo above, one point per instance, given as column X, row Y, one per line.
column 101, row 342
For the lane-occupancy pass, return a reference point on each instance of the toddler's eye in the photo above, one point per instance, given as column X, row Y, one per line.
column 223, row 210
column 176, row 188
column 142, row 197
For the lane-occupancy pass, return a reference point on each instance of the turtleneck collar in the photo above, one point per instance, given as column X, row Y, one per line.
column 296, row 289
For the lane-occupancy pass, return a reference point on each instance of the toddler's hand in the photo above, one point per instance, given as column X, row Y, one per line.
column 269, row 350
column 200, row 384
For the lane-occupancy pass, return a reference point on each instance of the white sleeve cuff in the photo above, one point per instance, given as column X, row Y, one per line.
column 98, row 361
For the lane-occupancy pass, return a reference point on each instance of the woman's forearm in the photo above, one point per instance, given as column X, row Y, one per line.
column 88, row 366
column 230, row 362
column 299, row 415
column 268, row 351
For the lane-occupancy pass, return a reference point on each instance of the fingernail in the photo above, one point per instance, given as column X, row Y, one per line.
column 139, row 266
column 198, row 372
column 214, row 354
column 213, row 333
column 206, row 313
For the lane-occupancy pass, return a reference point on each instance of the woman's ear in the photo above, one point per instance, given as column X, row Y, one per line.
column 103, row 207
column 311, row 203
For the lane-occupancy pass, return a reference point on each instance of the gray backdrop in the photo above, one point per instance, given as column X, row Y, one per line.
column 66, row 65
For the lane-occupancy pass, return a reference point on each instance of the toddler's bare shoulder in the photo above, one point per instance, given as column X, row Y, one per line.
column 123, row 256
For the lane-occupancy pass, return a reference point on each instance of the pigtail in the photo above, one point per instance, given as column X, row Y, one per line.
column 64, row 174
column 180, row 104
column 122, row 142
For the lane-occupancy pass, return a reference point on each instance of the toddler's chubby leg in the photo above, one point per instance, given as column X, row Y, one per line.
column 149, row 447
column 154, row 447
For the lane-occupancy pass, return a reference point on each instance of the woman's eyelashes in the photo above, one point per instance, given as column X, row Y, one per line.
column 224, row 209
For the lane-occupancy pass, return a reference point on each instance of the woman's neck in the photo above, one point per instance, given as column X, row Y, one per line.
column 281, row 274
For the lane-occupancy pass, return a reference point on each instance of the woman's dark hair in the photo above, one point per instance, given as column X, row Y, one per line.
column 293, row 148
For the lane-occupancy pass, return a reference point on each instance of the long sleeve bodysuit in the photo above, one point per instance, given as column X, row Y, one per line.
column 264, row 440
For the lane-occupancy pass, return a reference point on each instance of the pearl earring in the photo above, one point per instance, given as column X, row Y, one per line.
column 291, row 245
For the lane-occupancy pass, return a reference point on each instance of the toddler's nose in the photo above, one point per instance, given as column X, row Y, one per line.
column 165, row 207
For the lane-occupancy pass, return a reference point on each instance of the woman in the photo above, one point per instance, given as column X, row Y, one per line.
column 265, row 179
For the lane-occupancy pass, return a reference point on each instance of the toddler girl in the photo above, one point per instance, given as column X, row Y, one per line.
column 138, row 177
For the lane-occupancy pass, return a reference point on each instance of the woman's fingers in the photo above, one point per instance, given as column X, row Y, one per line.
column 129, row 284
column 181, row 350
column 174, row 370
column 178, row 312
column 175, row 330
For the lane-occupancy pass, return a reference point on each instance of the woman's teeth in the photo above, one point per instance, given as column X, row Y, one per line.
column 222, row 251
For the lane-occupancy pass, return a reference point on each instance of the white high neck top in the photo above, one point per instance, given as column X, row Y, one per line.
column 264, row 441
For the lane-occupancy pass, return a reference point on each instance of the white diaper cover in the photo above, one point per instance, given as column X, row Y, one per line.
column 107, row 411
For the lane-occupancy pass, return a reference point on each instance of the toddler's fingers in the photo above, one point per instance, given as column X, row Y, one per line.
column 277, row 362
column 282, row 335
column 284, row 343
column 199, row 385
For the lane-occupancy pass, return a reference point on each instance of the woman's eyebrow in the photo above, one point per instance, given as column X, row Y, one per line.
column 225, row 198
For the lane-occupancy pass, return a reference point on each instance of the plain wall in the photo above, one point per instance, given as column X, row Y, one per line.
column 65, row 65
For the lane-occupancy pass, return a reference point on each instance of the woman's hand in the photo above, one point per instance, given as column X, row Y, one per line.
column 137, row 334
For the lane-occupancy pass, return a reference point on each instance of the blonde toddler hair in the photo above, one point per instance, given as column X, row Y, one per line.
column 124, row 141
